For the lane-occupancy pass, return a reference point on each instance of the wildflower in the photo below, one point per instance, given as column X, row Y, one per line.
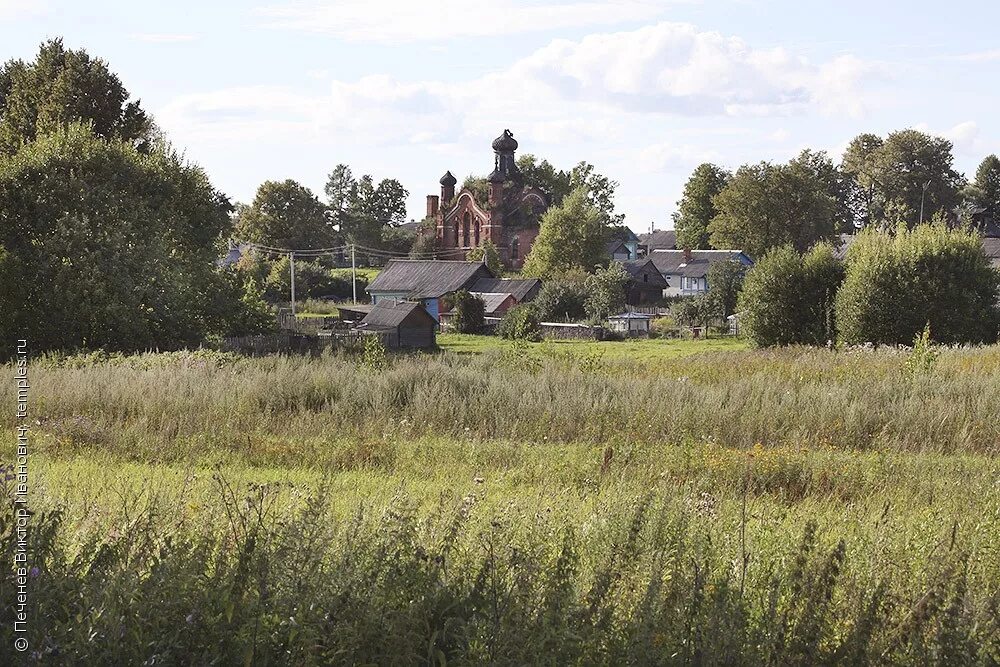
column 34, row 572
column 478, row 480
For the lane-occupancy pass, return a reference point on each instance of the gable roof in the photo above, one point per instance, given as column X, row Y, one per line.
column 390, row 314
column 492, row 300
column 521, row 288
column 427, row 278
column 637, row 267
column 614, row 245
column 672, row 262
column 661, row 239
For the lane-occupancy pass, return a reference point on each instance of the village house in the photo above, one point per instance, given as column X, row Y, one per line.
column 502, row 294
column 686, row 271
column 405, row 324
column 425, row 281
column 508, row 217
column 623, row 245
column 659, row 239
column 646, row 284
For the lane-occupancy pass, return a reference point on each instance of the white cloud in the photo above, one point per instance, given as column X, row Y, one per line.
column 161, row 38
column 670, row 156
column 432, row 20
column 568, row 91
column 12, row 10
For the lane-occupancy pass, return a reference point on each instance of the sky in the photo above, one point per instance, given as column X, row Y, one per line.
column 643, row 89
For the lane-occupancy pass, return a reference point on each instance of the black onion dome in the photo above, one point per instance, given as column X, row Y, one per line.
column 505, row 143
column 448, row 179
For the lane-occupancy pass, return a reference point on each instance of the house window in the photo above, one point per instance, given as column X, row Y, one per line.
column 645, row 277
column 514, row 249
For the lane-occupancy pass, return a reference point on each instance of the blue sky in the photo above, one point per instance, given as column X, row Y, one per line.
column 644, row 89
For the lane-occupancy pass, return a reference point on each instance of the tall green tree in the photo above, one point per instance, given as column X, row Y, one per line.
column 788, row 298
column 987, row 185
column 488, row 254
column 363, row 210
column 573, row 235
column 766, row 205
column 725, row 280
column 696, row 208
column 111, row 248
column 286, row 214
column 897, row 283
column 894, row 179
column 61, row 86
column 606, row 291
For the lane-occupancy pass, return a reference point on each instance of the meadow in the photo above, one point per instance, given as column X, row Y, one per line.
column 568, row 503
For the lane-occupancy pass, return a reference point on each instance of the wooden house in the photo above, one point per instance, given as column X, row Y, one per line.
column 406, row 323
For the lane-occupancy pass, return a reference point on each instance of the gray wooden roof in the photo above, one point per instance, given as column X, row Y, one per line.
column 519, row 287
column 673, row 262
column 390, row 314
column 665, row 239
column 635, row 268
column 427, row 278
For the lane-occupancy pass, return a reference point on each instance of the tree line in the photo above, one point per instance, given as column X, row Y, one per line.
column 905, row 178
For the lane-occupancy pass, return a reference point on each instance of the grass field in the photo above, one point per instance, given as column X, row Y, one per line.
column 638, row 349
column 561, row 504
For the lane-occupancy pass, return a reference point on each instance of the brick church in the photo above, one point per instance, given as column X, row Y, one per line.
column 508, row 216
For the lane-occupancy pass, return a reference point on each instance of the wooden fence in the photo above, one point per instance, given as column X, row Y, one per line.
column 295, row 343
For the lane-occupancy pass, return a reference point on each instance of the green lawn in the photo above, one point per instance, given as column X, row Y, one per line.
column 635, row 349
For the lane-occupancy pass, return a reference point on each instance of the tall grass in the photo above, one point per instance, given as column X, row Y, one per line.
column 168, row 408
column 787, row 507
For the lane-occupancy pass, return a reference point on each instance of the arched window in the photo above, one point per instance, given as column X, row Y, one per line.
column 465, row 230
column 477, row 232
column 514, row 249
column 456, row 232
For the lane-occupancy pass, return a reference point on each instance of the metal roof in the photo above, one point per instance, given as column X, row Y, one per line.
column 519, row 287
column 674, row 263
column 493, row 300
column 665, row 239
column 426, row 279
column 390, row 314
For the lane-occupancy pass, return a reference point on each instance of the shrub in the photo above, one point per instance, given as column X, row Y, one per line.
column 520, row 323
column 489, row 255
column 788, row 298
column 606, row 292
column 468, row 312
column 898, row 283
column 563, row 299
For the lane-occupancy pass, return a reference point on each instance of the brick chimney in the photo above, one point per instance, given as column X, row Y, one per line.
column 687, row 255
column 432, row 206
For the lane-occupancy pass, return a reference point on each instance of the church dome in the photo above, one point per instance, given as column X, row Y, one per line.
column 448, row 179
column 505, row 143
column 496, row 176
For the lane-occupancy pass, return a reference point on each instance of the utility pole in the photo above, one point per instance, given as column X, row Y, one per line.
column 291, row 268
column 354, row 276
column 923, row 192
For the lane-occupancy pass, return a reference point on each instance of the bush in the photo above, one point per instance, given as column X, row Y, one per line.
column 563, row 299
column 520, row 323
column 788, row 298
column 468, row 312
column 605, row 291
column 898, row 283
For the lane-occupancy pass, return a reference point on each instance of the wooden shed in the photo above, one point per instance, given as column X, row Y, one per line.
column 408, row 324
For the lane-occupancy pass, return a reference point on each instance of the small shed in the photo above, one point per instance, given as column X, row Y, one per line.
column 630, row 324
column 407, row 323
